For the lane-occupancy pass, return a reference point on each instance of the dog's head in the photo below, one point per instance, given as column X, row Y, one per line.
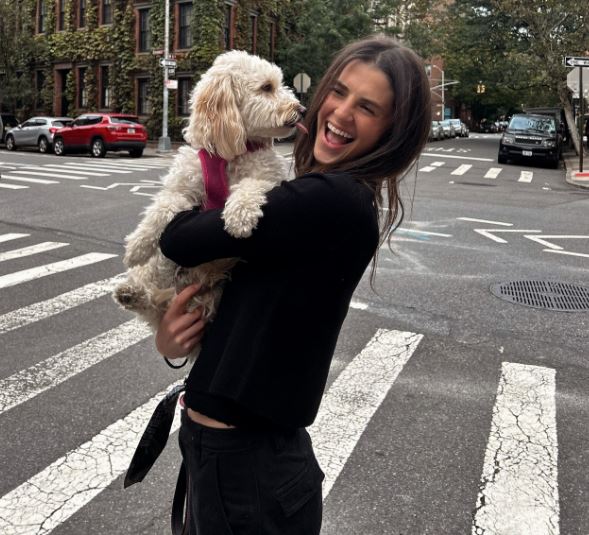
column 240, row 98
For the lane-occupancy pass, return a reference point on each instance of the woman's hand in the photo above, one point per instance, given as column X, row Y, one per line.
column 180, row 331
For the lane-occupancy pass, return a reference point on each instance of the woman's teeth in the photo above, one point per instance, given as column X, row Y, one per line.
column 335, row 135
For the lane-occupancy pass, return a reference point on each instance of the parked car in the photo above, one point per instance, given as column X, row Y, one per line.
column 7, row 123
column 98, row 133
column 460, row 128
column 449, row 130
column 531, row 137
column 36, row 132
column 436, row 131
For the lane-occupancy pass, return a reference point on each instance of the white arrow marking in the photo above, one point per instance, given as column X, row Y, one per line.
column 566, row 252
column 485, row 221
column 487, row 233
column 543, row 241
column 111, row 186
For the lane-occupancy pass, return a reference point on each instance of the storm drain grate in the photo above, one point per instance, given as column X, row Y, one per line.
column 549, row 295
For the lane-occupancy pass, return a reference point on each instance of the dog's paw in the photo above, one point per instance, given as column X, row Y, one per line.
column 130, row 297
column 241, row 218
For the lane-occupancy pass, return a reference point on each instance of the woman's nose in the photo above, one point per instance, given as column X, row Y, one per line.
column 344, row 109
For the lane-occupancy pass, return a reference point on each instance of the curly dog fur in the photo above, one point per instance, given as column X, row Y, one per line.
column 240, row 99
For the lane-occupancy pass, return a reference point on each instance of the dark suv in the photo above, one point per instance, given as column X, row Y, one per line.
column 7, row 122
column 531, row 137
column 98, row 133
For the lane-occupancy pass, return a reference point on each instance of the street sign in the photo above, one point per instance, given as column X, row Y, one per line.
column 302, row 82
column 574, row 82
column 167, row 62
column 578, row 61
column 157, row 51
column 172, row 84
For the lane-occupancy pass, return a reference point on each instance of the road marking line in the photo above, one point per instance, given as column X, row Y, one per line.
column 438, row 164
column 31, row 250
column 93, row 168
column 427, row 169
column 12, row 236
column 566, row 252
column 75, row 170
column 518, row 491
column 11, row 186
column 26, row 275
column 107, row 165
column 543, row 241
column 32, row 180
column 485, row 221
column 526, row 176
column 51, row 372
column 53, row 495
column 493, row 172
column 438, row 155
column 461, row 170
column 50, row 307
column 355, row 396
column 426, row 233
column 53, row 175
column 487, row 233
column 358, row 305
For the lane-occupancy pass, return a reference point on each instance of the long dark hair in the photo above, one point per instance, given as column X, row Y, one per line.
column 400, row 145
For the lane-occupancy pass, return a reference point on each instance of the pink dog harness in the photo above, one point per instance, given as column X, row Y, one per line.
column 214, row 169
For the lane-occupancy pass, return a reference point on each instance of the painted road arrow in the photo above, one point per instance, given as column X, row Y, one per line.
column 542, row 239
column 490, row 233
column 572, row 61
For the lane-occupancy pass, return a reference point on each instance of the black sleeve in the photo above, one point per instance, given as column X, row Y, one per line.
column 299, row 218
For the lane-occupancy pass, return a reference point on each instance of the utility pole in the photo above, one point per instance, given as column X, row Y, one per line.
column 164, row 144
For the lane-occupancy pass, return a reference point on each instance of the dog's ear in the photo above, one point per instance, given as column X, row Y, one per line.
column 215, row 121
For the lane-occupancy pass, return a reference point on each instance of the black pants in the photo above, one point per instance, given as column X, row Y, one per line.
column 246, row 482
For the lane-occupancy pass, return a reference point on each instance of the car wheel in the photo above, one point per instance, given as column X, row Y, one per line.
column 136, row 153
column 43, row 145
column 501, row 159
column 58, row 147
column 10, row 144
column 97, row 149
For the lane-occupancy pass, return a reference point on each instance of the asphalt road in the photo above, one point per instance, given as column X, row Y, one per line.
column 448, row 410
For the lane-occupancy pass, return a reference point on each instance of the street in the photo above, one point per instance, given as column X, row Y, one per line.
column 449, row 410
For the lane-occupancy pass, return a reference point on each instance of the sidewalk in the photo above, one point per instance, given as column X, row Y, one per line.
column 573, row 175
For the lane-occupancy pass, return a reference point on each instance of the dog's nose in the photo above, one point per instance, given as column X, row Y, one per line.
column 302, row 110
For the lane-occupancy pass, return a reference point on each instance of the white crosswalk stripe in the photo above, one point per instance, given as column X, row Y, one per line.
column 526, row 176
column 493, row 172
column 29, row 179
column 94, row 168
column 519, row 470
column 461, row 170
column 11, row 186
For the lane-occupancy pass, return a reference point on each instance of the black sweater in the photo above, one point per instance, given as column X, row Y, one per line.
column 266, row 355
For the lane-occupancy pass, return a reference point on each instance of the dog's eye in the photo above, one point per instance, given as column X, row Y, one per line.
column 267, row 88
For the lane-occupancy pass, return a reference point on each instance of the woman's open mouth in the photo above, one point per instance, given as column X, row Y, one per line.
column 336, row 136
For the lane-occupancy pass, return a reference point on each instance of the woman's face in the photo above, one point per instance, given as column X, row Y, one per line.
column 354, row 115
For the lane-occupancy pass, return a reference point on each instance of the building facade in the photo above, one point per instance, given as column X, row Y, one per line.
column 104, row 55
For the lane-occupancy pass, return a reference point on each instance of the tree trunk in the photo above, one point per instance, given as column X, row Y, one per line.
column 563, row 94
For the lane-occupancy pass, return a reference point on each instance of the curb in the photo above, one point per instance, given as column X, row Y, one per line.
column 573, row 176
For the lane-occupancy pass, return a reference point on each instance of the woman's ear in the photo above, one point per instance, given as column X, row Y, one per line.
column 215, row 121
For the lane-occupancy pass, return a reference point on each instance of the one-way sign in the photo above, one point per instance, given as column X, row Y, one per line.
column 578, row 61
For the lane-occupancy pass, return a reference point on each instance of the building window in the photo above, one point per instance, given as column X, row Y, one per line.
column 61, row 15
column 104, row 87
column 254, row 32
column 82, row 90
column 228, row 27
column 143, row 103
column 106, row 11
column 82, row 14
column 184, row 86
column 41, row 16
column 39, row 83
column 144, row 31
column 184, row 29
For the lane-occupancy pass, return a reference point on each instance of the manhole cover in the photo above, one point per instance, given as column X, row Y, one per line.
column 550, row 295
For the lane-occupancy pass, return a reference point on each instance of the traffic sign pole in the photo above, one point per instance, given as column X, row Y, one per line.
column 582, row 101
column 164, row 144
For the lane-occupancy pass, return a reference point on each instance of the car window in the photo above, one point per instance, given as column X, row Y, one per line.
column 81, row 121
column 93, row 119
column 61, row 123
column 41, row 122
column 130, row 119
column 28, row 123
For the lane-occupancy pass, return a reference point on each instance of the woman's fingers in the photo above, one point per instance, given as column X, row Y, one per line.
column 190, row 332
column 179, row 303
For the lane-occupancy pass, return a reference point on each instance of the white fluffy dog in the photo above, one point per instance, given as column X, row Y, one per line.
column 239, row 103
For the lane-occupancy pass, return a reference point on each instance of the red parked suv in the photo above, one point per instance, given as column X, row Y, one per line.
column 100, row 132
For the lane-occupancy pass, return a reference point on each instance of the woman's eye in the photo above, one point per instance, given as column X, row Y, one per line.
column 267, row 88
column 337, row 90
column 368, row 109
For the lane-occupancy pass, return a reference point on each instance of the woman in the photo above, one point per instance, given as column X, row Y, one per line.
column 265, row 358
